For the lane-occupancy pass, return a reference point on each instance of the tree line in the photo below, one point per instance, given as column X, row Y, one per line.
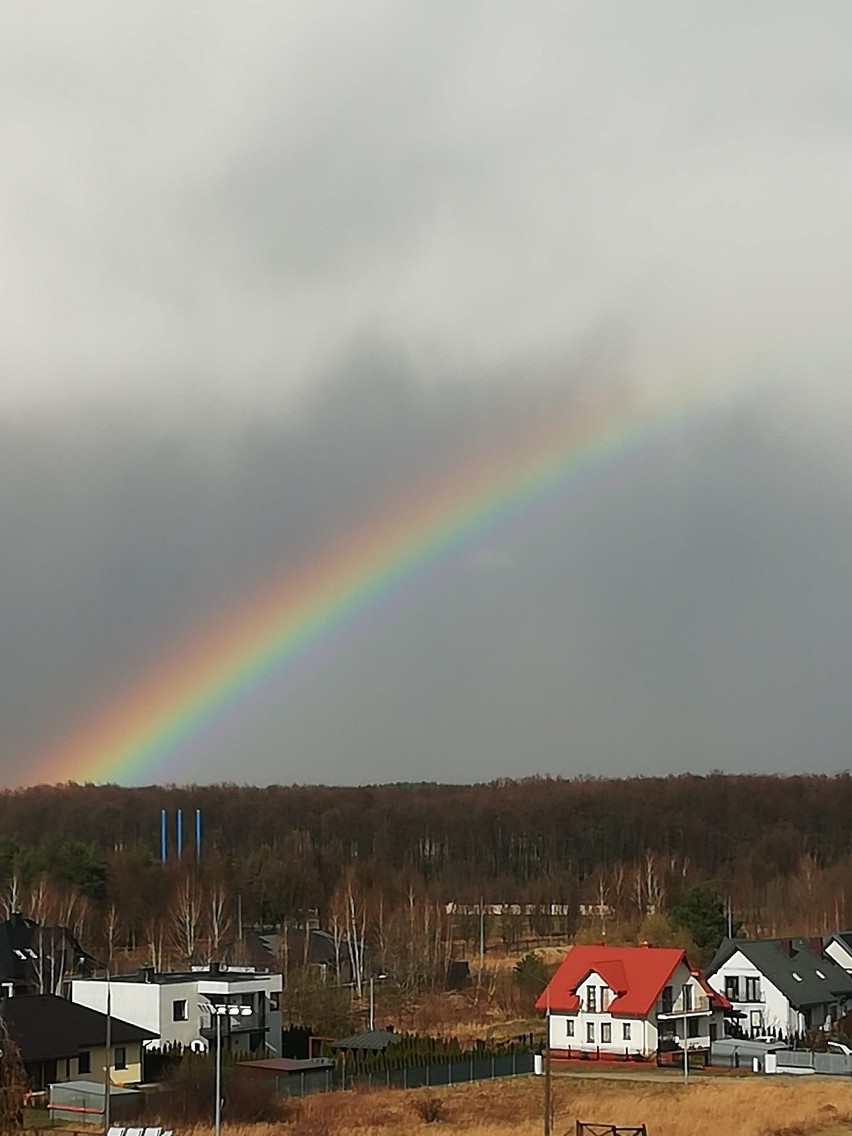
column 388, row 859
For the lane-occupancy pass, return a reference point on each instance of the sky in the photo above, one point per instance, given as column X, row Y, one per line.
column 268, row 270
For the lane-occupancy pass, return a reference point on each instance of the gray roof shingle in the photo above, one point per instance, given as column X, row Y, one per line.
column 770, row 957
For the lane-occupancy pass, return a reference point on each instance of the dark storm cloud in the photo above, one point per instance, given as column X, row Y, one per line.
column 268, row 268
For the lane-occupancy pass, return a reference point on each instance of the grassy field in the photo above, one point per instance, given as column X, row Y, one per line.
column 773, row 1106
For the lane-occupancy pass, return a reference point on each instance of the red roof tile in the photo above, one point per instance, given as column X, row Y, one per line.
column 636, row 975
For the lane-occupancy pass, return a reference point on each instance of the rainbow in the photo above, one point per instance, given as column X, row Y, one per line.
column 145, row 731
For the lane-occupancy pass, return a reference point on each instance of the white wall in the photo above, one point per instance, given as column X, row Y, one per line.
column 776, row 1009
column 151, row 1004
column 644, row 1033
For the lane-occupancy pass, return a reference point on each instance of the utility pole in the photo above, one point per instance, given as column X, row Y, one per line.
column 683, row 991
column 481, row 937
column 108, row 1066
column 548, row 1102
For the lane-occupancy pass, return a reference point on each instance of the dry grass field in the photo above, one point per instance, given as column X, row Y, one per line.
column 745, row 1106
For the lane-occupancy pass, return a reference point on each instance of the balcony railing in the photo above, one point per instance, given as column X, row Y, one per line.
column 256, row 1020
column 698, row 1004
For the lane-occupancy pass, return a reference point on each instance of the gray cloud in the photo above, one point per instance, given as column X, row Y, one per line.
column 268, row 269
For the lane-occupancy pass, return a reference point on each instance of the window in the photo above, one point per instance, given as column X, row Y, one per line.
column 797, row 977
column 569, row 1027
column 752, row 990
column 591, row 999
column 84, row 1063
column 625, row 1031
column 819, row 974
column 687, row 999
column 606, row 1032
column 692, row 1027
column 732, row 987
column 120, row 1057
column 179, row 1012
column 590, row 1032
column 604, row 993
column 668, row 999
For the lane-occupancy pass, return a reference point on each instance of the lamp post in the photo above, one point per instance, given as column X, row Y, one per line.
column 108, row 1066
column 378, row 978
column 683, row 991
column 548, row 1105
column 219, row 1011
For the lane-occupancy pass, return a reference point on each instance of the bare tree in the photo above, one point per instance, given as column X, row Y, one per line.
column 13, row 1083
column 112, row 930
column 219, row 913
column 186, row 918
column 153, row 932
column 356, row 926
column 12, row 896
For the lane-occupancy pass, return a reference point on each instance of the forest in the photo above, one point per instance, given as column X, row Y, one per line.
column 777, row 848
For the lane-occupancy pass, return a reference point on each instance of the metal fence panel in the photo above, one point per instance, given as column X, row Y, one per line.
column 832, row 1064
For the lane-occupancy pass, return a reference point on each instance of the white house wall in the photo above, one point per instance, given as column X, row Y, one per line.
column 777, row 1012
column 644, row 1033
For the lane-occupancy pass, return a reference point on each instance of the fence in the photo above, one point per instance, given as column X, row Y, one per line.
column 587, row 1129
column 799, row 1060
column 440, row 1073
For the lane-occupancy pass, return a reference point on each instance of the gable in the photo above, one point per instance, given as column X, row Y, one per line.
column 802, row 977
column 635, row 975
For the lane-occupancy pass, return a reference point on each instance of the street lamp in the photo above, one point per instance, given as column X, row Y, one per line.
column 219, row 1011
column 379, row 978
column 108, row 1069
column 683, row 991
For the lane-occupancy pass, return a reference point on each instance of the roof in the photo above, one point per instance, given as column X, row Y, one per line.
column 636, row 975
column 287, row 1064
column 149, row 977
column 23, row 942
column 372, row 1039
column 47, row 1027
column 791, row 965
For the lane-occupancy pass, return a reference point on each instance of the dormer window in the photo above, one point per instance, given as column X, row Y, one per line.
column 591, row 999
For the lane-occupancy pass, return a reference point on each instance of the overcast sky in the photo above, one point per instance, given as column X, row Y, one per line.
column 268, row 267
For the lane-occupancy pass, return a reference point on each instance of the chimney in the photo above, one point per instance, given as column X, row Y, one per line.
column 215, row 967
column 787, row 947
column 146, row 973
column 815, row 943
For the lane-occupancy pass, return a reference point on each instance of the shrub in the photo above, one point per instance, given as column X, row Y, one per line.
column 430, row 1109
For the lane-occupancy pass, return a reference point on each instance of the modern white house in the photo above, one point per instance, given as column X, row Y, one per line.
column 780, row 986
column 176, row 1006
column 630, row 1002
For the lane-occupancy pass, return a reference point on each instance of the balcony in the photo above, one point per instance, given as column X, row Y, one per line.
column 698, row 1004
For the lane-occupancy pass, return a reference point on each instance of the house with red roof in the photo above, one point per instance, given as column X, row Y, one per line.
column 630, row 1002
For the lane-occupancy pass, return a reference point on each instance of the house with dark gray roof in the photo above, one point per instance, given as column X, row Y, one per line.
column 62, row 1041
column 35, row 959
column 780, row 986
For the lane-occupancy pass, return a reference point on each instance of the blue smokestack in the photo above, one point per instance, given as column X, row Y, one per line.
column 179, row 831
column 198, row 834
column 163, row 848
